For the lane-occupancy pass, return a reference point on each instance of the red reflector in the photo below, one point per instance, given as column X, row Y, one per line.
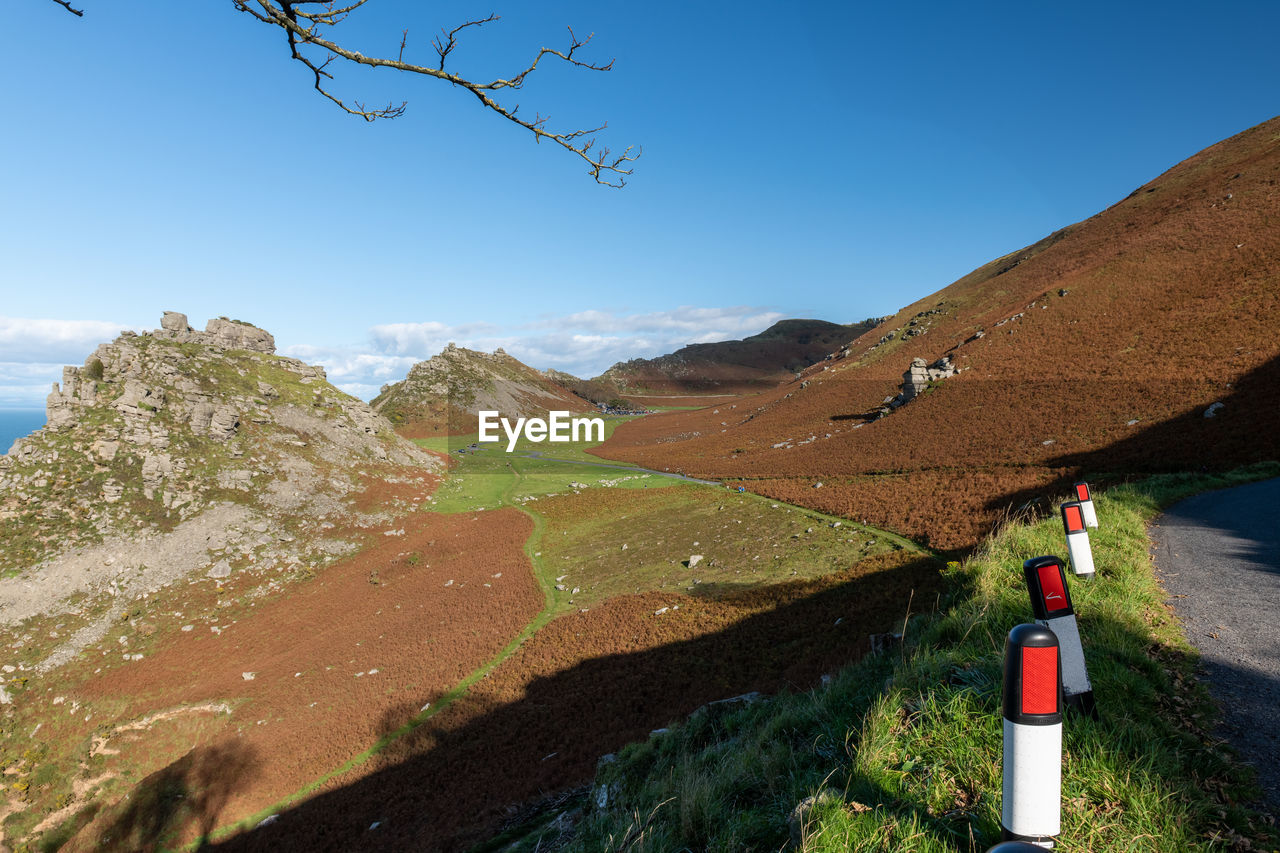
column 1039, row 680
column 1082, row 491
column 1075, row 521
column 1055, row 597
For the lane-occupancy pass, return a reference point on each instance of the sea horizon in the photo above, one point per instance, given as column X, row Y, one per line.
column 17, row 423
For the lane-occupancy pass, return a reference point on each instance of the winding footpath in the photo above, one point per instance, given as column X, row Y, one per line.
column 1218, row 555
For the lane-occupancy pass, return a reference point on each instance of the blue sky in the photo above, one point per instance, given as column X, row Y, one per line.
column 830, row 160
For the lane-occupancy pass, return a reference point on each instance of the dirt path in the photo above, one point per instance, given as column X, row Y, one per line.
column 1219, row 558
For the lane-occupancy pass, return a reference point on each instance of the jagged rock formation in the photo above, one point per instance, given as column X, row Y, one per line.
column 444, row 393
column 155, row 428
column 917, row 379
column 230, row 334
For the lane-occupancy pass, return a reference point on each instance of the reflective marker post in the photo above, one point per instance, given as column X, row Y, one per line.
column 1051, row 604
column 1032, row 806
column 1085, row 498
column 1077, row 540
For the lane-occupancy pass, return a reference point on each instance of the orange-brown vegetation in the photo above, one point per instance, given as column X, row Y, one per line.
column 1101, row 347
column 682, row 401
column 909, row 503
column 586, row 684
column 332, row 664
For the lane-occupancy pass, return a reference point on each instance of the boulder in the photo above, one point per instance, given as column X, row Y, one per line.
column 224, row 423
column 174, row 322
column 201, row 416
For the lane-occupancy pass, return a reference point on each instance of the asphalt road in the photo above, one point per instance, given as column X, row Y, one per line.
column 1218, row 555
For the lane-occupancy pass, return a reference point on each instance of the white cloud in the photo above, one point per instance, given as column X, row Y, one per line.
column 695, row 325
column 585, row 343
column 359, row 373
column 63, row 341
column 26, row 384
column 424, row 340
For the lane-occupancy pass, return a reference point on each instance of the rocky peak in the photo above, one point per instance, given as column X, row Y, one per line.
column 218, row 332
column 157, row 426
column 445, row 391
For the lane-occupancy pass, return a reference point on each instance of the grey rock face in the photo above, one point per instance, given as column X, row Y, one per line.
column 233, row 335
column 224, row 423
column 174, row 322
column 201, row 416
column 917, row 379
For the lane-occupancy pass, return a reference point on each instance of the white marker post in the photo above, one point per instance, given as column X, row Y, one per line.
column 1051, row 604
column 1085, row 497
column 1077, row 540
column 1032, row 806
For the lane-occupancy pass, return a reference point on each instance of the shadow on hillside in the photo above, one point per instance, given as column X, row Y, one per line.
column 459, row 774
column 1245, row 430
column 192, row 790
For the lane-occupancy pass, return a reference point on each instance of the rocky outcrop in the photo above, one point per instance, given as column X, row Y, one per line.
column 916, row 379
column 218, row 332
column 447, row 390
column 172, row 321
column 236, row 335
column 154, row 427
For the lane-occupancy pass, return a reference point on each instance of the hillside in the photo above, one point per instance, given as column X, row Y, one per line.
column 184, row 479
column 443, row 394
column 1097, row 351
column 734, row 367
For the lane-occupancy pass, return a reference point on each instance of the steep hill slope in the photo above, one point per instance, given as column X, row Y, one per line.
column 1094, row 352
column 443, row 394
column 735, row 367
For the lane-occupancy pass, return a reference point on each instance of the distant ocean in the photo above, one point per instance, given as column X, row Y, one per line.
column 15, row 423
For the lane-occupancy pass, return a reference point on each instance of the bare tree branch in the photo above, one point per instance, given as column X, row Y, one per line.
column 66, row 4
column 302, row 21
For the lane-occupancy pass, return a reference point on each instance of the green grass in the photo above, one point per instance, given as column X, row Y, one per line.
column 903, row 752
column 745, row 541
column 489, row 476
